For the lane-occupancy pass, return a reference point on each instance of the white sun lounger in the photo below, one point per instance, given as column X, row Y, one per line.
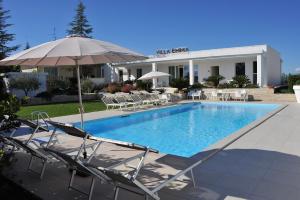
column 122, row 100
column 109, row 102
column 88, row 169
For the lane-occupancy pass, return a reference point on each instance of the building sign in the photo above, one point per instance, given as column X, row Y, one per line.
column 173, row 50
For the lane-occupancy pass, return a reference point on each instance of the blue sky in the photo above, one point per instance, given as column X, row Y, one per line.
column 148, row 25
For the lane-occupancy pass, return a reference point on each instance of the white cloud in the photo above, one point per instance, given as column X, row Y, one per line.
column 297, row 69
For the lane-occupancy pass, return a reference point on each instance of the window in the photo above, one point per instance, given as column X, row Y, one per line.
column 120, row 75
column 254, row 81
column 196, row 79
column 240, row 69
column 89, row 71
column 176, row 72
column 186, row 73
column 129, row 74
column 172, row 73
column 139, row 73
column 52, row 72
column 215, row 71
column 100, row 71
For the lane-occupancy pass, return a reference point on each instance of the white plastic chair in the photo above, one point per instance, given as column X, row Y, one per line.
column 237, row 95
column 244, row 95
column 214, row 95
column 190, row 94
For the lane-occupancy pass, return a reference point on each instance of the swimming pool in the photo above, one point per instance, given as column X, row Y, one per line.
column 182, row 130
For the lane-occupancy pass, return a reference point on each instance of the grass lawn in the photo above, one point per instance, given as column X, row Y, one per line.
column 61, row 109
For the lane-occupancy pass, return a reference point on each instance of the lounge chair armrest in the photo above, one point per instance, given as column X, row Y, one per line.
column 124, row 144
column 141, row 147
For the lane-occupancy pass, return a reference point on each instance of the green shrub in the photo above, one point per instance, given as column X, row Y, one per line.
column 297, row 82
column 196, row 86
column 251, row 86
column 25, row 83
column 87, row 86
column 292, row 79
column 45, row 95
column 144, row 85
column 25, row 100
column 214, row 80
column 179, row 83
column 241, row 81
column 10, row 105
column 226, row 85
column 71, row 91
column 57, row 86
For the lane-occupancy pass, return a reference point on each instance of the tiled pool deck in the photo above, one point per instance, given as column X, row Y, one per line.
column 263, row 164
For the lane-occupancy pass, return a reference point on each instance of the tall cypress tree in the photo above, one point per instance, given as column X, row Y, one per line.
column 5, row 36
column 80, row 25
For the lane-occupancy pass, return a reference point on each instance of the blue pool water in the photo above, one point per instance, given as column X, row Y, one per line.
column 182, row 130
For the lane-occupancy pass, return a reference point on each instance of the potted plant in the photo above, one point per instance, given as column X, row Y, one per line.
column 296, row 88
column 214, row 80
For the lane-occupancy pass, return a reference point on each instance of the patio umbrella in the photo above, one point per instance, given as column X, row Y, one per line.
column 72, row 50
column 153, row 74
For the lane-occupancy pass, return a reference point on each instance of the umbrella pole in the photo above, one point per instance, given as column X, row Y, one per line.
column 79, row 93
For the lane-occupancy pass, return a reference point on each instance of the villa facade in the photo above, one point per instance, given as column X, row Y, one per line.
column 261, row 63
column 99, row 74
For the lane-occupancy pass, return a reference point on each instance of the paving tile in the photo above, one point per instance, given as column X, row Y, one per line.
column 240, row 184
column 287, row 163
column 288, row 178
column 291, row 147
column 276, row 191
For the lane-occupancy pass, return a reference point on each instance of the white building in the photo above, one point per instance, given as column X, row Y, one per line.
column 261, row 63
column 41, row 77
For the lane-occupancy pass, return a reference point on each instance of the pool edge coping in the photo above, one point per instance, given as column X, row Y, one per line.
column 235, row 136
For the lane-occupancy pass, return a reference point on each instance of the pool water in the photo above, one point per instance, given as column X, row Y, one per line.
column 182, row 130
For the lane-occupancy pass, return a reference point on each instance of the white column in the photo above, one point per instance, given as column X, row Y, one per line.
column 125, row 75
column 154, row 80
column 112, row 73
column 191, row 71
column 261, row 71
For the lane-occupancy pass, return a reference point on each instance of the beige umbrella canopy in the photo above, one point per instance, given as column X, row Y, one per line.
column 65, row 51
column 73, row 50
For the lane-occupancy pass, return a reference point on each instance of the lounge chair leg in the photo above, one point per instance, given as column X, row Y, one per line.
column 116, row 193
column 30, row 163
column 72, row 179
column 43, row 169
column 94, row 152
column 91, row 189
column 193, row 178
